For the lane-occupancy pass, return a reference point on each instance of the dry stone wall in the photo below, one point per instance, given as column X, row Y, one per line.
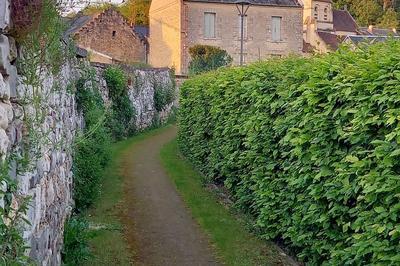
column 37, row 131
column 142, row 84
column 38, row 128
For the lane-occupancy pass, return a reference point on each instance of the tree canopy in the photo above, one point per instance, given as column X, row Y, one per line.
column 383, row 13
column 135, row 11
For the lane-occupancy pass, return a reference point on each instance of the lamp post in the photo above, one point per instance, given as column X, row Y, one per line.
column 242, row 6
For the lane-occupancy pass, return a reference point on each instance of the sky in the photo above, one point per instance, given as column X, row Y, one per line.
column 76, row 5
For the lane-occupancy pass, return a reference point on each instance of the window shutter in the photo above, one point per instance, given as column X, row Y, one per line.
column 276, row 28
column 209, row 25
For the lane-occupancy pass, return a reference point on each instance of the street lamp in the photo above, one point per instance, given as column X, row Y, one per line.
column 242, row 6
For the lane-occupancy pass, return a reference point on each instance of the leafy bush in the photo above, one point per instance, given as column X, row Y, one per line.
column 88, row 169
column 76, row 249
column 163, row 97
column 206, row 58
column 309, row 147
column 121, row 119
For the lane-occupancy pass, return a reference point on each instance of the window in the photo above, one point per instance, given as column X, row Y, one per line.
column 244, row 27
column 326, row 13
column 276, row 29
column 209, row 25
column 316, row 12
column 114, row 33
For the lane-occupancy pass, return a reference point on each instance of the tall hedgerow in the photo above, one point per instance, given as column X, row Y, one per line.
column 309, row 147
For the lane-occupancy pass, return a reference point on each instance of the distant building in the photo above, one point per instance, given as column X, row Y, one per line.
column 272, row 29
column 109, row 38
column 324, row 27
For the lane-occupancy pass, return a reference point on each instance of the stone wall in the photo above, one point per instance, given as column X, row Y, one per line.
column 40, row 124
column 37, row 131
column 141, row 86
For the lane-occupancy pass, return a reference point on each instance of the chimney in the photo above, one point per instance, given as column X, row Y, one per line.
column 371, row 29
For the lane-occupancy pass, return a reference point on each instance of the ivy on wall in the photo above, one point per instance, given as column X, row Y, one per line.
column 121, row 117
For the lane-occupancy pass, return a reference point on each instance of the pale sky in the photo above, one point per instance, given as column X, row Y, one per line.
column 76, row 5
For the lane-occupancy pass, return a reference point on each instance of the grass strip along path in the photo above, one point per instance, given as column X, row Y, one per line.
column 154, row 210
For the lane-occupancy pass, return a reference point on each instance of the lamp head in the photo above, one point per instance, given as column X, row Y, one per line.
column 243, row 2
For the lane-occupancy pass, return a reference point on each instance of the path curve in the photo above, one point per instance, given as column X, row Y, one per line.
column 160, row 229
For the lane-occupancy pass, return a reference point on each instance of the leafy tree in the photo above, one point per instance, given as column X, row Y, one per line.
column 384, row 13
column 367, row 11
column 389, row 19
column 136, row 11
column 206, row 58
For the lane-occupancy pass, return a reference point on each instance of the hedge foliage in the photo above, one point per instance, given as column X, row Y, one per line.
column 310, row 147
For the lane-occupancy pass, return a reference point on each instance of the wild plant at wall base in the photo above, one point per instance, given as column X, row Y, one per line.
column 309, row 147
column 121, row 118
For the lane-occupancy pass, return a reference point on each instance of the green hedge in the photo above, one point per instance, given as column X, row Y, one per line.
column 309, row 147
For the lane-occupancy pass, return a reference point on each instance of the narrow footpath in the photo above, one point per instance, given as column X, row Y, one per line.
column 159, row 227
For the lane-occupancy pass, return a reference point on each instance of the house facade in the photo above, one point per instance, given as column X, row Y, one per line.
column 272, row 28
column 109, row 38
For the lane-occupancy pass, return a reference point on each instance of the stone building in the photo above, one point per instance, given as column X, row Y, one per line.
column 324, row 27
column 109, row 37
column 273, row 28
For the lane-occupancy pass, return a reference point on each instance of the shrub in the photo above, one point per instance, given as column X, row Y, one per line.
column 88, row 169
column 309, row 147
column 121, row 118
column 76, row 249
column 163, row 97
column 206, row 58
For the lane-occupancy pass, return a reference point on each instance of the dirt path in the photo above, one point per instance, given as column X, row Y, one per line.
column 160, row 229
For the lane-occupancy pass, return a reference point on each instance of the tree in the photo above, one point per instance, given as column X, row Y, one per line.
column 367, row 12
column 384, row 13
column 136, row 11
column 389, row 19
column 206, row 58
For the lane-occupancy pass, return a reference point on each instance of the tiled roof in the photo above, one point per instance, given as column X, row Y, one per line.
column 143, row 31
column 330, row 39
column 343, row 21
column 288, row 3
column 77, row 23
column 357, row 39
column 377, row 32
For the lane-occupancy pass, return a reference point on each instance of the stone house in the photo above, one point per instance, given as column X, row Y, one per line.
column 325, row 27
column 272, row 28
column 109, row 38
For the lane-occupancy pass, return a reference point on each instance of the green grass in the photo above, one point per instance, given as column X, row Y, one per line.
column 108, row 245
column 234, row 245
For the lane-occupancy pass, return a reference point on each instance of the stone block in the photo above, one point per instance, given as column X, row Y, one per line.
column 5, row 11
column 4, row 88
column 4, row 143
column 4, row 108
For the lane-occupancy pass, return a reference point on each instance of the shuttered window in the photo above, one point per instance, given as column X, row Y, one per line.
column 276, row 28
column 209, row 25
